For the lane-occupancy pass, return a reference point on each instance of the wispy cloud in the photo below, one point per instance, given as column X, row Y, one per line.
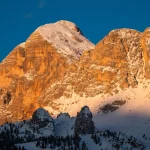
column 41, row 4
column 28, row 16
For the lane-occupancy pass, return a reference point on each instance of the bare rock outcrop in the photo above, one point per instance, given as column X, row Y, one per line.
column 84, row 123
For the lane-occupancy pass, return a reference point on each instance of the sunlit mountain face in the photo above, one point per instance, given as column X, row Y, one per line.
column 60, row 91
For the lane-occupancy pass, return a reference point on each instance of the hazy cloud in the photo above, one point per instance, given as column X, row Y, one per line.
column 28, row 16
column 41, row 4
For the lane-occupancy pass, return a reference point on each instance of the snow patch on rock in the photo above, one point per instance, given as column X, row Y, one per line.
column 29, row 76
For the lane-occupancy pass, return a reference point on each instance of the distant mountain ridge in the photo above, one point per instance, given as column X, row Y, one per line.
column 42, row 132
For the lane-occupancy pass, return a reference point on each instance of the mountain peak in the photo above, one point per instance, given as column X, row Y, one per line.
column 70, row 25
column 86, row 111
column 124, row 32
column 66, row 37
column 147, row 29
column 66, row 22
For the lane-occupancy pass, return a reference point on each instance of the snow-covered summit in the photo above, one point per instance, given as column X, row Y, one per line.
column 66, row 37
column 70, row 25
column 125, row 32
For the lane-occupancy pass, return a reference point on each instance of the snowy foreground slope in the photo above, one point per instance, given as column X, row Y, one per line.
column 127, row 112
column 121, row 122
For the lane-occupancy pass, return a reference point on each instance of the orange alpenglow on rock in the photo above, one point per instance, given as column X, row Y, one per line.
column 57, row 64
column 33, row 66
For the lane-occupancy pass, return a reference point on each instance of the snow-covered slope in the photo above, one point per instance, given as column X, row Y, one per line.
column 66, row 37
column 133, row 117
column 64, row 125
column 100, row 141
column 127, row 112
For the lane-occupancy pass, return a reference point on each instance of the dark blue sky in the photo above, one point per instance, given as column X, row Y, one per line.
column 19, row 18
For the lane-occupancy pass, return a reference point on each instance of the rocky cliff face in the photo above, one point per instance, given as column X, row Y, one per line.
column 57, row 62
column 117, row 62
column 33, row 66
